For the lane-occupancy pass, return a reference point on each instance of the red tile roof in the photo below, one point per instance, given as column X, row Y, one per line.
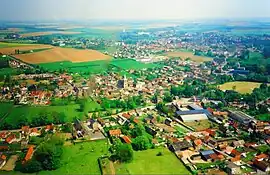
column 211, row 132
column 198, row 142
column 127, row 116
column 29, row 153
column 10, row 138
column 127, row 139
column 115, row 132
column 235, row 159
column 3, row 135
column 235, row 152
column 25, row 128
column 262, row 156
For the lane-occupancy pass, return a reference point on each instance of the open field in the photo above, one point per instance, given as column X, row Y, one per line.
column 58, row 54
column 240, row 86
column 29, row 112
column 147, row 162
column 96, row 66
column 199, row 125
column 4, row 45
column 48, row 33
column 132, row 64
column 9, row 48
column 184, row 55
column 81, row 158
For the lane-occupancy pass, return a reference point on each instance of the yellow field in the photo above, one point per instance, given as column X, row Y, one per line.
column 56, row 54
column 185, row 55
column 240, row 86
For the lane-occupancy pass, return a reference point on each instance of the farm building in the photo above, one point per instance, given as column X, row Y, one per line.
column 241, row 117
column 193, row 117
column 180, row 146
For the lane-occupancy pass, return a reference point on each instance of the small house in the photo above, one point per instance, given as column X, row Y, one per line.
column 233, row 169
column 115, row 133
column 180, row 146
column 262, row 165
column 2, row 161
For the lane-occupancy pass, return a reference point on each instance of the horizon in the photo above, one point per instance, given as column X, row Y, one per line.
column 107, row 10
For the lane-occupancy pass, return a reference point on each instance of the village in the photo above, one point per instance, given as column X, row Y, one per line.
column 205, row 138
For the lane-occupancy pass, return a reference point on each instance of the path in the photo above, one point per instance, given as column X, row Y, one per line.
column 112, row 168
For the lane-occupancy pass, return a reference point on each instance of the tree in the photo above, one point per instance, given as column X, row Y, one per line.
column 141, row 143
column 30, row 166
column 124, row 152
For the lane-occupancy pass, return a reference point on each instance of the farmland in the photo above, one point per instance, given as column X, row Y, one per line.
column 184, row 55
column 48, row 33
column 240, row 86
column 19, row 113
column 9, row 48
column 58, row 54
column 96, row 66
column 147, row 162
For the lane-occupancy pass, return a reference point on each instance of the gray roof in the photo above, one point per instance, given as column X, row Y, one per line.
column 201, row 111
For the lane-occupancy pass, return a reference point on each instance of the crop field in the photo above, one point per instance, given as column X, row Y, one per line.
column 240, row 86
column 147, row 162
column 58, row 54
column 199, row 125
column 184, row 55
column 132, row 64
column 48, row 33
column 96, row 66
column 9, row 48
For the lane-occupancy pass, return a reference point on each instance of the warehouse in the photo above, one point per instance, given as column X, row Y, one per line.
column 193, row 117
column 240, row 117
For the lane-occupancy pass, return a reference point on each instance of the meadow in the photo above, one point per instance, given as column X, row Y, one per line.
column 17, row 113
column 81, row 158
column 186, row 54
column 240, row 86
column 96, row 66
column 147, row 162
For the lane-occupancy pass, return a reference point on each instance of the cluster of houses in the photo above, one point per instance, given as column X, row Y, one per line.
column 19, row 140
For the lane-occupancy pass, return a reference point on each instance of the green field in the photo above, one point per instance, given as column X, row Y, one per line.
column 240, row 86
column 3, row 44
column 96, row 66
column 30, row 112
column 132, row 64
column 263, row 117
column 147, row 162
column 81, row 158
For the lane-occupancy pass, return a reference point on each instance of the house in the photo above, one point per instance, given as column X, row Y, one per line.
column 50, row 128
column 169, row 122
column 206, row 154
column 115, row 133
column 126, row 139
column 150, row 131
column 11, row 138
column 233, row 168
column 198, row 143
column 2, row 161
column 211, row 132
column 34, row 132
column 262, row 165
column 25, row 130
column 235, row 153
column 236, row 159
column 238, row 143
column 29, row 154
column 3, row 135
column 180, row 146
column 261, row 157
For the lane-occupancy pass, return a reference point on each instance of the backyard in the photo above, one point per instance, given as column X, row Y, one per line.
column 147, row 162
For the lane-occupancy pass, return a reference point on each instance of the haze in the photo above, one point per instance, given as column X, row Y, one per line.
column 131, row 9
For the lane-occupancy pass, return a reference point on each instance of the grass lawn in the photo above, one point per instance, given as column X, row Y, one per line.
column 263, row 117
column 240, row 86
column 250, row 156
column 8, row 71
column 199, row 125
column 263, row 148
column 147, row 162
column 81, row 158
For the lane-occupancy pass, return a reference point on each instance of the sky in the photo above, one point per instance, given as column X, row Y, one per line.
column 131, row 9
